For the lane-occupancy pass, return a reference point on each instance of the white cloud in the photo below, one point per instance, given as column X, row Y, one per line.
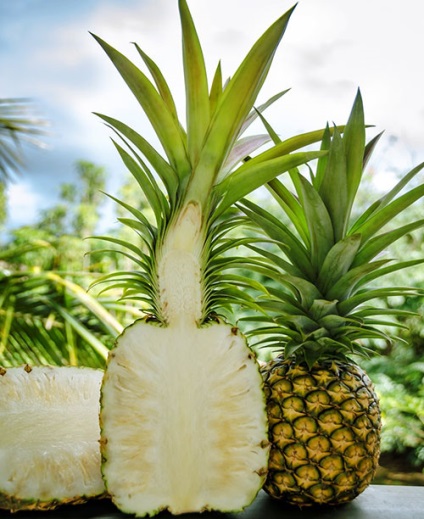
column 23, row 204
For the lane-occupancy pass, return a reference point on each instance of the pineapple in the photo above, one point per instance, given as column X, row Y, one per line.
column 49, row 436
column 323, row 412
column 324, row 428
column 183, row 418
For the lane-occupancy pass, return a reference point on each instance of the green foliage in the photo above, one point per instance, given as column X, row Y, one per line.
column 46, row 314
column 398, row 374
column 403, row 418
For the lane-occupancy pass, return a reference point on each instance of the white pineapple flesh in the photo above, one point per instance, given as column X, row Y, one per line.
column 49, row 436
column 183, row 420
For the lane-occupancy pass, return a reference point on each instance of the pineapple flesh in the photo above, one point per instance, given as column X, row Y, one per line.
column 323, row 411
column 49, row 436
column 183, row 418
column 195, row 396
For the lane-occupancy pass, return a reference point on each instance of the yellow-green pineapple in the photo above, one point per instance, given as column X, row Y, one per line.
column 323, row 412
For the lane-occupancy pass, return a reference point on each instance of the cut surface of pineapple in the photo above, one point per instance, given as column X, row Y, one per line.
column 200, row 441
column 49, row 436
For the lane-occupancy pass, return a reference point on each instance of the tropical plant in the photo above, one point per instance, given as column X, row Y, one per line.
column 48, row 318
column 322, row 409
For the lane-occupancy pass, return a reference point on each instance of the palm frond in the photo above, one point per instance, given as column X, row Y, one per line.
column 46, row 318
column 18, row 125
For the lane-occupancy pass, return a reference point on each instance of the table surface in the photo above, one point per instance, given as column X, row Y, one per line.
column 377, row 502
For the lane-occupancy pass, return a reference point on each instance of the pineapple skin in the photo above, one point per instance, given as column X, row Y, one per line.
column 324, row 430
column 16, row 505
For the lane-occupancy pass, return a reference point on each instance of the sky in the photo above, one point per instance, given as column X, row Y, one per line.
column 330, row 49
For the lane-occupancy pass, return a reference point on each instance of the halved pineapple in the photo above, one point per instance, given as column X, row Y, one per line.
column 183, row 423
column 49, row 436
column 184, row 417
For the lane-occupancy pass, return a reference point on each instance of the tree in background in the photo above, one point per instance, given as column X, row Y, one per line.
column 66, row 225
column 18, row 125
column 92, row 180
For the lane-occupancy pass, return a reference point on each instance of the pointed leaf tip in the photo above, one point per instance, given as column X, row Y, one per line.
column 235, row 104
column 156, row 108
column 196, row 85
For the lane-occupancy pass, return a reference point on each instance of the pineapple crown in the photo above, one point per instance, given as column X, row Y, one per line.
column 202, row 164
column 319, row 290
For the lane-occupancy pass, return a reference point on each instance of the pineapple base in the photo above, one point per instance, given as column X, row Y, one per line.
column 183, row 420
column 49, row 434
column 324, row 431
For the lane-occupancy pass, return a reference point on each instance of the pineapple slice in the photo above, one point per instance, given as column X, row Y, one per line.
column 183, row 421
column 49, row 436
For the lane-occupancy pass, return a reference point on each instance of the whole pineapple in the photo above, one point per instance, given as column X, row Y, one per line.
column 183, row 419
column 49, row 436
column 323, row 412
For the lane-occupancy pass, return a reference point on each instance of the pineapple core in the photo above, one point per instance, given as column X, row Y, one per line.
column 179, row 269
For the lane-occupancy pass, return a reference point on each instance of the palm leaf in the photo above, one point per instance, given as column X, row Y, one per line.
column 18, row 125
column 46, row 318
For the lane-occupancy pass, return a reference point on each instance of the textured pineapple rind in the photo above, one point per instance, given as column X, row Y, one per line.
column 262, row 472
column 16, row 504
column 297, row 472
